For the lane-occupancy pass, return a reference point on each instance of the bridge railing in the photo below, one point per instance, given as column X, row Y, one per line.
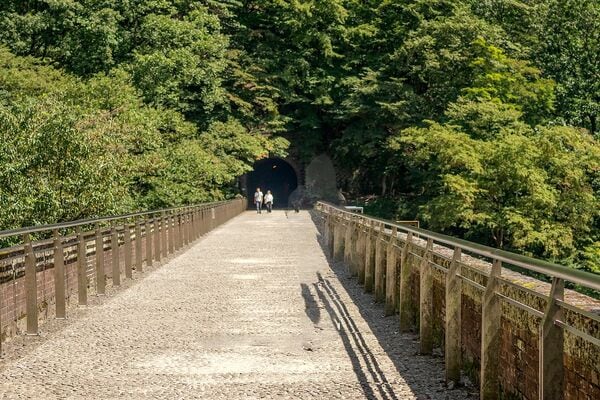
column 51, row 264
column 523, row 338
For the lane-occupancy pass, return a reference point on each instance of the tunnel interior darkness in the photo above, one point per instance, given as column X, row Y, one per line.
column 276, row 175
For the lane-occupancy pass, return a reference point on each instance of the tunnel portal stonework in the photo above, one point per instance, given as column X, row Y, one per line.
column 312, row 181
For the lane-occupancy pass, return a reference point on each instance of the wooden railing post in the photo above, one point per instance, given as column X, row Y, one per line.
column 453, row 319
column 355, row 259
column 348, row 244
column 60, row 295
column 202, row 222
column 139, row 260
column 491, row 313
column 30, row 286
column 391, row 273
column 164, row 227
column 338, row 242
column 100, row 276
column 361, row 250
column 405, row 306
column 114, row 252
column 329, row 224
column 81, row 268
column 171, row 233
column 196, row 223
column 380, row 265
column 179, row 230
column 186, row 227
column 148, row 240
column 157, row 246
column 551, row 348
column 426, row 301
column 127, row 248
column 370, row 258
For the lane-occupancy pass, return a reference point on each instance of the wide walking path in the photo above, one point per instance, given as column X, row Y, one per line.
column 251, row 311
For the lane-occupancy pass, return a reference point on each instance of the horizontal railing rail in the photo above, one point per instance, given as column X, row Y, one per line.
column 583, row 278
column 385, row 255
column 92, row 221
column 84, row 254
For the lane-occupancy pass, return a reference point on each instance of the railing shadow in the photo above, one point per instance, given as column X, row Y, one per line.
column 423, row 374
column 373, row 381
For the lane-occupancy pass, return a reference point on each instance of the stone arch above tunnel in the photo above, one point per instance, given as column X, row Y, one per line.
column 279, row 176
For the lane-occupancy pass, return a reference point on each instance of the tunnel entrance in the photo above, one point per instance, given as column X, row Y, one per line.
column 272, row 174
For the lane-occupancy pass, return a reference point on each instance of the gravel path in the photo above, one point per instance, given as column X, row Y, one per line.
column 252, row 311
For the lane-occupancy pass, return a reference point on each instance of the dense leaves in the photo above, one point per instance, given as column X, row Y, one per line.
column 478, row 117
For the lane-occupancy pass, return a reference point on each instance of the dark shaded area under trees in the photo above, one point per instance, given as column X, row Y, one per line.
column 479, row 118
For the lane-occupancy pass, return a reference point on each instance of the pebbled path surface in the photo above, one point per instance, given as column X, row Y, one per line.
column 251, row 311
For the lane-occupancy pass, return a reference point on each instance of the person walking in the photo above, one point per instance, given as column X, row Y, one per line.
column 269, row 201
column 258, row 200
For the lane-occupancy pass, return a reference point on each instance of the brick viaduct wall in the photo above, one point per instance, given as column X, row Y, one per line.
column 519, row 329
column 12, row 291
column 13, row 310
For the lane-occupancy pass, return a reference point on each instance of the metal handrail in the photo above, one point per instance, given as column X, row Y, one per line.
column 583, row 278
column 161, row 232
column 72, row 224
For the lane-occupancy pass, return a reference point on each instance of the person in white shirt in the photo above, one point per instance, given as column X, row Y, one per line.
column 269, row 201
column 258, row 200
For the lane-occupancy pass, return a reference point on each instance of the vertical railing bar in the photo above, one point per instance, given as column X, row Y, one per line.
column 81, row 267
column 453, row 319
column 114, row 252
column 139, row 259
column 30, row 286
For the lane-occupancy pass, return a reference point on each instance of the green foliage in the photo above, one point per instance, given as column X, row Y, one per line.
column 525, row 188
column 476, row 116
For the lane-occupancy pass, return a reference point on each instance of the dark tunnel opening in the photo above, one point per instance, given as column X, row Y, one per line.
column 272, row 174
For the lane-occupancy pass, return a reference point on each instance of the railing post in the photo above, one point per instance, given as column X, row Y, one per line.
column 202, row 222
column 380, row 267
column 370, row 238
column 100, row 276
column 338, row 234
column 186, row 227
column 114, row 250
column 194, row 220
column 139, row 260
column 349, row 245
column 148, row 240
column 391, row 286
column 164, row 227
column 551, row 347
column 128, row 250
column 30, row 286
column 491, row 313
column 171, row 219
column 390, row 275
column 329, row 224
column 157, row 246
column 212, row 218
column 81, row 268
column 453, row 319
column 406, row 307
column 196, row 223
column 179, row 230
column 60, row 294
column 361, row 250
column 426, row 301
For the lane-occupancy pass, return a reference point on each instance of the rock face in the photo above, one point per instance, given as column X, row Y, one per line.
column 321, row 181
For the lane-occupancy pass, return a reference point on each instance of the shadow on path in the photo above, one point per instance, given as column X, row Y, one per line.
column 312, row 309
column 423, row 374
column 364, row 363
